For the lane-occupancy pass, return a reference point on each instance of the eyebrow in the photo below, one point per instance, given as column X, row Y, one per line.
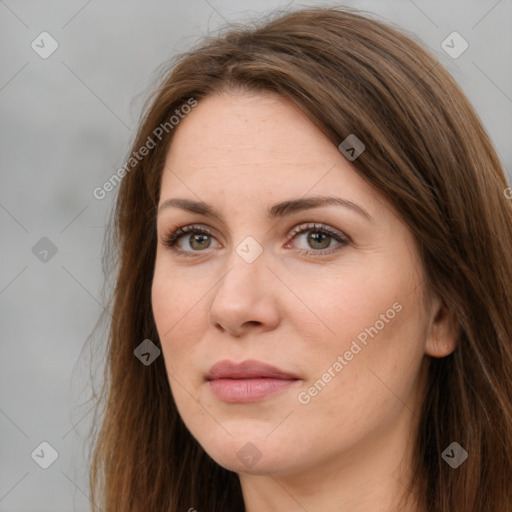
column 275, row 211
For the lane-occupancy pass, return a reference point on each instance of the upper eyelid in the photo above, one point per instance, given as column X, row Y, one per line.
column 296, row 230
column 321, row 226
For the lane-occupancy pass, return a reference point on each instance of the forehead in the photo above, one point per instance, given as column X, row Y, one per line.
column 251, row 138
column 256, row 125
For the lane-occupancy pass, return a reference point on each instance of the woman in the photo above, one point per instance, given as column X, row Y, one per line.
column 313, row 284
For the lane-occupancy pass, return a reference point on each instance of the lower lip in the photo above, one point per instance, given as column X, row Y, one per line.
column 248, row 390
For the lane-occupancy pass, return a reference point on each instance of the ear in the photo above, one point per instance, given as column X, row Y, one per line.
column 443, row 330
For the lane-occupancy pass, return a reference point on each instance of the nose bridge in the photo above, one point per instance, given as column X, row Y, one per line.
column 246, row 265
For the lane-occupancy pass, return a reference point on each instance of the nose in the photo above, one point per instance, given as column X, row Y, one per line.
column 245, row 299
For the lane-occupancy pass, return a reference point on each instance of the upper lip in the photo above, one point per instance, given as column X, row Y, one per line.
column 249, row 369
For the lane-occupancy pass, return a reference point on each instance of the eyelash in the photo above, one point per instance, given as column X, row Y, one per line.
column 173, row 237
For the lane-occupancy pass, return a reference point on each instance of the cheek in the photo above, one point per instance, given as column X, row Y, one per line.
column 173, row 310
column 178, row 330
column 366, row 364
column 164, row 304
column 375, row 388
column 344, row 300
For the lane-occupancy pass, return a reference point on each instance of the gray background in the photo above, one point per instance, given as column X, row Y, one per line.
column 66, row 124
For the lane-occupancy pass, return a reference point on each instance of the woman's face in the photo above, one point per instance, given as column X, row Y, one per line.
column 331, row 294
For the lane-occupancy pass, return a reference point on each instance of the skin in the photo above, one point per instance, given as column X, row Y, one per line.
column 348, row 448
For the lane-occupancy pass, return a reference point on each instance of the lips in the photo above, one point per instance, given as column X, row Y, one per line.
column 248, row 369
column 248, row 381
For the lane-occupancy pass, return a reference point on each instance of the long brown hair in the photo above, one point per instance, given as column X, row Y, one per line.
column 429, row 155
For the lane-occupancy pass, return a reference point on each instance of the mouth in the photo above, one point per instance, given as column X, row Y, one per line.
column 249, row 381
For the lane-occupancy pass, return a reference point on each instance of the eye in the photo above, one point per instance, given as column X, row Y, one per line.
column 198, row 238
column 319, row 237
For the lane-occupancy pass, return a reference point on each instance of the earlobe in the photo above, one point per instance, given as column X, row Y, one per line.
column 443, row 331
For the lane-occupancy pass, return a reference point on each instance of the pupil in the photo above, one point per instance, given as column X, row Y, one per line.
column 195, row 239
column 314, row 239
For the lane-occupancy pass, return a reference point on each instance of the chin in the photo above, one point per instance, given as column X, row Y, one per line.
column 250, row 454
